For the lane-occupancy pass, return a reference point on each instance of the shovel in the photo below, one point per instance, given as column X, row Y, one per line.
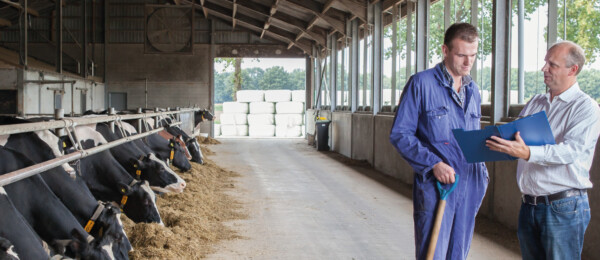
column 439, row 216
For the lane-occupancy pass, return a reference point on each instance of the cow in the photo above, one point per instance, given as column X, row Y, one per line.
column 109, row 181
column 49, row 217
column 165, row 149
column 14, row 228
column 202, row 115
column 190, row 143
column 98, row 217
column 150, row 168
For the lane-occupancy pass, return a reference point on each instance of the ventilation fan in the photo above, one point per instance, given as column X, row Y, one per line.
column 169, row 29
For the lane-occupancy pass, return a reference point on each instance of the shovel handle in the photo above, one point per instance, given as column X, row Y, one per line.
column 439, row 216
column 436, row 229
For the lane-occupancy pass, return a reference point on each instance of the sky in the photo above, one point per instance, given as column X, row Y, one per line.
column 288, row 64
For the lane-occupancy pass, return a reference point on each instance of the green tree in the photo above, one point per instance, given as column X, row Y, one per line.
column 298, row 79
column 275, row 78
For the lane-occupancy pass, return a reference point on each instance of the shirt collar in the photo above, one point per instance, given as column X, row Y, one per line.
column 465, row 79
column 569, row 94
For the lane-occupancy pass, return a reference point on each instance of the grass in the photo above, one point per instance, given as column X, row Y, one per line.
column 218, row 107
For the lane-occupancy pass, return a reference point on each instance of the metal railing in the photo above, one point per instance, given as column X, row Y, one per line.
column 67, row 123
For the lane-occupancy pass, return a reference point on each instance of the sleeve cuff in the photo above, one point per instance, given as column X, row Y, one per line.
column 429, row 168
column 536, row 154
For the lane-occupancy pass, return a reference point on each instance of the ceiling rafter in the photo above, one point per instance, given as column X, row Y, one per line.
column 30, row 10
column 204, row 9
column 234, row 10
column 356, row 8
column 317, row 35
column 268, row 21
column 246, row 21
column 318, row 10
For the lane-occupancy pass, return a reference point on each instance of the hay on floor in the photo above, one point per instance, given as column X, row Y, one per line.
column 194, row 220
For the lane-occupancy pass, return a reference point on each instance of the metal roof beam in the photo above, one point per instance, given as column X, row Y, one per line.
column 18, row 6
column 317, row 9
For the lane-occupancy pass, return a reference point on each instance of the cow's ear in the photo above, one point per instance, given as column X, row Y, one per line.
column 124, row 188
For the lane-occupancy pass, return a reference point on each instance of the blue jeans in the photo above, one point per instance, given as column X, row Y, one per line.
column 554, row 230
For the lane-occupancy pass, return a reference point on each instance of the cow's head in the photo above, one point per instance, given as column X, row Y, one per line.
column 139, row 202
column 160, row 177
column 109, row 224
column 81, row 247
column 177, row 155
column 194, row 148
column 202, row 115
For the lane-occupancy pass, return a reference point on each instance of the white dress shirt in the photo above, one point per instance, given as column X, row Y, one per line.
column 575, row 122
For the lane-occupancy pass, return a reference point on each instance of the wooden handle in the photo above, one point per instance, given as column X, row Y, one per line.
column 436, row 229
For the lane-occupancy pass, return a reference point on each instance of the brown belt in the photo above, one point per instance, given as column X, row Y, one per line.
column 534, row 200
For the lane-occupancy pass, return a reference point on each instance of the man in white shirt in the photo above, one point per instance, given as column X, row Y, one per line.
column 553, row 179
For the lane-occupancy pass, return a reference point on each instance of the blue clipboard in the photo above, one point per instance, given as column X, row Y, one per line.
column 535, row 131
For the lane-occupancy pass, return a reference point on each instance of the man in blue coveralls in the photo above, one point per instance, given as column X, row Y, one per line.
column 434, row 102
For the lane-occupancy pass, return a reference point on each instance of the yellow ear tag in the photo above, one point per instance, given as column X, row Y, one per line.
column 135, row 166
column 89, row 226
column 64, row 145
column 171, row 144
column 124, row 200
column 122, row 190
column 172, row 154
column 138, row 173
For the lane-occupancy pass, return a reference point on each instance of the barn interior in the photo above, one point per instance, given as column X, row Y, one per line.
column 75, row 56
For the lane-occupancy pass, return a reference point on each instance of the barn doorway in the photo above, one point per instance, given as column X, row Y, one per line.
column 259, row 97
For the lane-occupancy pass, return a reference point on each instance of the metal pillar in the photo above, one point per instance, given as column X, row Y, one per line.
column 23, row 53
column 501, row 19
column 59, row 37
column 422, row 31
column 354, row 59
column 395, row 18
column 84, row 39
column 475, row 22
column 332, row 71
column 552, row 22
column 409, row 39
column 521, row 47
column 447, row 14
column 377, row 59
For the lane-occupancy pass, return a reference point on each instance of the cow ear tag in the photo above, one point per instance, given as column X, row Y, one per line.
column 64, row 144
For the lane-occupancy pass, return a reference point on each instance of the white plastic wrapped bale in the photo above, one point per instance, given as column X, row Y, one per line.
column 217, row 129
column 250, row 96
column 289, row 108
column 288, row 131
column 234, row 119
column 261, row 130
column 299, row 95
column 262, row 108
column 289, row 119
column 235, row 108
column 234, row 130
column 281, row 95
column 261, row 119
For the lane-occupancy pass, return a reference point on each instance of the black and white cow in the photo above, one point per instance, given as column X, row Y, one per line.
column 48, row 216
column 134, row 160
column 99, row 218
column 165, row 149
column 202, row 115
column 109, row 181
column 191, row 143
column 14, row 228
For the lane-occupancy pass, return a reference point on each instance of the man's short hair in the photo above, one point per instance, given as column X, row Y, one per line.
column 464, row 31
column 575, row 55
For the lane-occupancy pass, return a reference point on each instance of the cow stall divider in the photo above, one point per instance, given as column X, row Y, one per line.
column 71, row 123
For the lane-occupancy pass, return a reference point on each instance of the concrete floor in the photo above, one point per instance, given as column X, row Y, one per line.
column 305, row 204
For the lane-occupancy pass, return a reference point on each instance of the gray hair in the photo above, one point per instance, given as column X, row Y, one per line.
column 575, row 56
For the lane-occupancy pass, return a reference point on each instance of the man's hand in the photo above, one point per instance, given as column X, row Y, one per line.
column 516, row 148
column 443, row 173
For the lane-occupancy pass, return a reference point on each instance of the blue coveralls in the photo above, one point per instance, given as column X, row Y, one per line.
column 422, row 134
